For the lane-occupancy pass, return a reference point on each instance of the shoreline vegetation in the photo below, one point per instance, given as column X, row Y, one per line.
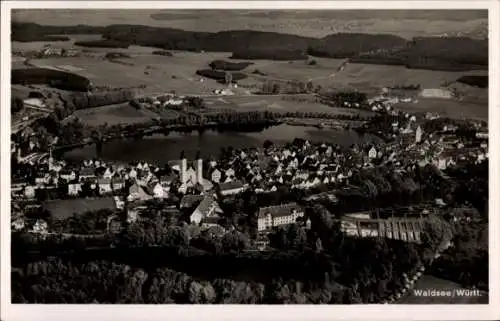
column 434, row 53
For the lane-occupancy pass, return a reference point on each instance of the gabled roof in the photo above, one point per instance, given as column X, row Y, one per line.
column 190, row 200
column 205, row 205
column 231, row 185
column 279, row 210
column 87, row 171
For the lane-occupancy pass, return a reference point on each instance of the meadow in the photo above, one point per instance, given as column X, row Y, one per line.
column 113, row 115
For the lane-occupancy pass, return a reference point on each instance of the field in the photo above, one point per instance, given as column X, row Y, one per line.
column 375, row 77
column 313, row 23
column 113, row 115
column 448, row 107
column 160, row 74
column 276, row 104
column 62, row 209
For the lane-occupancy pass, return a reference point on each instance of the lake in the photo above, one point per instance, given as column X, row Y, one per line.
column 160, row 148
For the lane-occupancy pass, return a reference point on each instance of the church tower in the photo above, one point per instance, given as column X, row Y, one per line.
column 183, row 168
column 199, row 168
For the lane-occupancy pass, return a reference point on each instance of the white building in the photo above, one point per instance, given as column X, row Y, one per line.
column 280, row 215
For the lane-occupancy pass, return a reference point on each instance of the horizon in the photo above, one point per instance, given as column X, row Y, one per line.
column 308, row 23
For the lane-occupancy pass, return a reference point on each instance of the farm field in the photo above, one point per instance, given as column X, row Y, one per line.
column 448, row 107
column 113, row 115
column 158, row 74
column 276, row 104
column 375, row 77
column 62, row 209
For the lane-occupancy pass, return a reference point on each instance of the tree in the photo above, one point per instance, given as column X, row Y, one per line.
column 16, row 104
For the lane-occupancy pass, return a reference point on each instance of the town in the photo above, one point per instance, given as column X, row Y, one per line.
column 221, row 185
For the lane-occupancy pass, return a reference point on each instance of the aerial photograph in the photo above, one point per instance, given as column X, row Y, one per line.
column 249, row 156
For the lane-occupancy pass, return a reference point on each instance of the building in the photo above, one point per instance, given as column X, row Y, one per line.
column 68, row 175
column 104, row 186
column 40, row 226
column 280, row 215
column 372, row 152
column 188, row 201
column 74, row 188
column 191, row 175
column 157, row 190
column 137, row 193
column 231, row 188
column 29, row 192
column 418, row 135
column 87, row 173
column 117, row 184
column 208, row 207
column 216, row 175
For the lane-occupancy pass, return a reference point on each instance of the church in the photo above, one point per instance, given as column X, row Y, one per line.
column 191, row 174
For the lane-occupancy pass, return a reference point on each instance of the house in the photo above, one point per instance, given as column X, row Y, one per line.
column 132, row 173
column 210, row 222
column 40, row 226
column 137, row 193
column 74, row 188
column 18, row 224
column 117, row 184
column 108, row 173
column 231, row 188
column 18, row 184
column 208, row 207
column 104, row 185
column 188, row 201
column 157, row 190
column 29, row 192
column 280, row 215
column 166, row 181
column 87, row 173
column 42, row 179
column 68, row 175
column 372, row 152
column 229, row 173
column 215, row 175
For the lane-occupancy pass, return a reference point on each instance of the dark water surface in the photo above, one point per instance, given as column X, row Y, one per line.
column 160, row 148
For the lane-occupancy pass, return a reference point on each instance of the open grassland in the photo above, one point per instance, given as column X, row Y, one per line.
column 113, row 115
column 275, row 104
column 374, row 77
column 62, row 209
column 159, row 74
column 448, row 107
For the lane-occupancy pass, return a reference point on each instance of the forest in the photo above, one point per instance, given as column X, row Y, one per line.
column 268, row 54
column 475, row 81
column 435, row 53
column 318, row 266
column 103, row 44
column 29, row 32
column 228, row 65
column 220, row 75
column 54, row 78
